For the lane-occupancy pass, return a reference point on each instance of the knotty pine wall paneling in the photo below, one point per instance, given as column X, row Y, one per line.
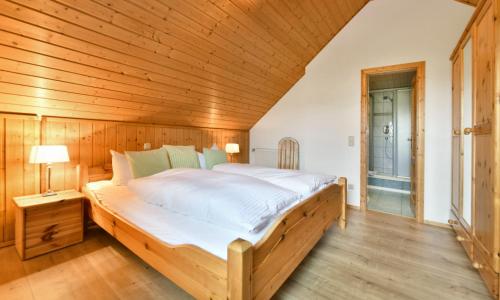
column 213, row 64
column 89, row 142
column 17, row 176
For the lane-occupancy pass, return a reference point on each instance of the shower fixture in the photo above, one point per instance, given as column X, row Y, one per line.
column 388, row 130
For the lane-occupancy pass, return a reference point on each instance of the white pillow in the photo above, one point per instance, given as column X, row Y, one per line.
column 201, row 158
column 121, row 169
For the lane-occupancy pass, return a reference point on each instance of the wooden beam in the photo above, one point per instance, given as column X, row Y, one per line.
column 469, row 2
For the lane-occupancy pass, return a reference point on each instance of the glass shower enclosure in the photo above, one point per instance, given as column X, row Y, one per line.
column 390, row 138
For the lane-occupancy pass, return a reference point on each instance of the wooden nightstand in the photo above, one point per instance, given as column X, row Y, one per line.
column 44, row 224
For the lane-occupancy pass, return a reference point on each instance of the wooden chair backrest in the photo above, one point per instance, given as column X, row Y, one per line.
column 288, row 154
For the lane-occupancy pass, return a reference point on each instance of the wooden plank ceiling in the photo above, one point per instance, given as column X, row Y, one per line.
column 203, row 63
column 469, row 2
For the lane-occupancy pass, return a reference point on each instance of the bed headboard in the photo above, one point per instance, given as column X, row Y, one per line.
column 86, row 174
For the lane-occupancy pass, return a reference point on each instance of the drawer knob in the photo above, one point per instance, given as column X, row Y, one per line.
column 49, row 236
column 477, row 265
column 49, row 233
column 460, row 238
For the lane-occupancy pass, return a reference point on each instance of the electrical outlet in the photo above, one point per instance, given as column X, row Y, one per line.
column 350, row 187
column 350, row 141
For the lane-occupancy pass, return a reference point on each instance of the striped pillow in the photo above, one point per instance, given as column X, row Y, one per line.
column 146, row 163
column 214, row 157
column 180, row 146
column 182, row 156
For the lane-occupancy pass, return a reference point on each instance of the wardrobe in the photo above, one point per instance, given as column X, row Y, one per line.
column 475, row 133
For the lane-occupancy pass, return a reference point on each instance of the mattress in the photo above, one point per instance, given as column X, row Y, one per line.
column 167, row 226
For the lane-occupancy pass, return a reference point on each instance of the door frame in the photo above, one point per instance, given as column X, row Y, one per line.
column 419, row 67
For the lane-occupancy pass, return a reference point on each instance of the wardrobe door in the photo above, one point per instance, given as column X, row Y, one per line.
column 484, row 208
column 456, row 198
column 467, row 153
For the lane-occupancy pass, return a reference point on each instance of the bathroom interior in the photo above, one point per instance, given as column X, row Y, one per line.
column 390, row 143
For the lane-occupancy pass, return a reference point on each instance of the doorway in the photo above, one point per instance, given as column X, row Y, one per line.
column 392, row 137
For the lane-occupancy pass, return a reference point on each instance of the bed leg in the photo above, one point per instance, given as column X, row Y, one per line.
column 239, row 270
column 343, row 195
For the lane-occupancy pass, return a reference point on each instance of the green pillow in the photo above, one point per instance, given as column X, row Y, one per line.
column 182, row 156
column 214, row 157
column 146, row 163
column 179, row 146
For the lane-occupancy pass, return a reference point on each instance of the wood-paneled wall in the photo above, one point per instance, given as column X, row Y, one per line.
column 88, row 142
column 17, row 175
column 217, row 64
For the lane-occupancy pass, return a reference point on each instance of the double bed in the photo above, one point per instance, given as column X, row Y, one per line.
column 207, row 260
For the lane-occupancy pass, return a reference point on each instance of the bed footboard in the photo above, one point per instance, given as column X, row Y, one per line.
column 257, row 272
column 251, row 271
column 198, row 272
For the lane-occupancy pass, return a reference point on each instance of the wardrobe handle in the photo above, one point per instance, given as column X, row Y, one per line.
column 460, row 238
column 456, row 132
column 477, row 265
column 468, row 131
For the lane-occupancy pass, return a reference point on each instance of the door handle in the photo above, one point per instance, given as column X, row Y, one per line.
column 477, row 265
column 468, row 130
column 456, row 132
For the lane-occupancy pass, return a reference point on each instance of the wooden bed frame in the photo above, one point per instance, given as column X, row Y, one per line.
column 251, row 271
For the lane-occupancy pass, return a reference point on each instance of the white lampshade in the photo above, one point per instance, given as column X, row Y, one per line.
column 48, row 154
column 232, row 148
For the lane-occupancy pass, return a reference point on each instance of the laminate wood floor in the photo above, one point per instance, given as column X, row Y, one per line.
column 378, row 257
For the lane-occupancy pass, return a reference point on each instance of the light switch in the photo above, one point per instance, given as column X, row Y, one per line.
column 350, row 141
column 147, row 146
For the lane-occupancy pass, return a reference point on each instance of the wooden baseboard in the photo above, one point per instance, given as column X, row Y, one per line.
column 438, row 224
column 352, row 206
column 6, row 244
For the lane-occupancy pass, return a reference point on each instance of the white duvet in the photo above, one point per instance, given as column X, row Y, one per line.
column 297, row 181
column 224, row 199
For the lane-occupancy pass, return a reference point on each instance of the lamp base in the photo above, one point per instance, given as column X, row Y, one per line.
column 49, row 193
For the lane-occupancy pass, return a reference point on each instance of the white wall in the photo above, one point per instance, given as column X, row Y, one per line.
column 323, row 108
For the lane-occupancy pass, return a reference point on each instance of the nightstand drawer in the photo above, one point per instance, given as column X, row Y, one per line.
column 52, row 227
column 54, row 210
column 47, row 224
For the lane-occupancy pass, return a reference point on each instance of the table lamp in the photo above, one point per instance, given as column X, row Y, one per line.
column 232, row 148
column 49, row 154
